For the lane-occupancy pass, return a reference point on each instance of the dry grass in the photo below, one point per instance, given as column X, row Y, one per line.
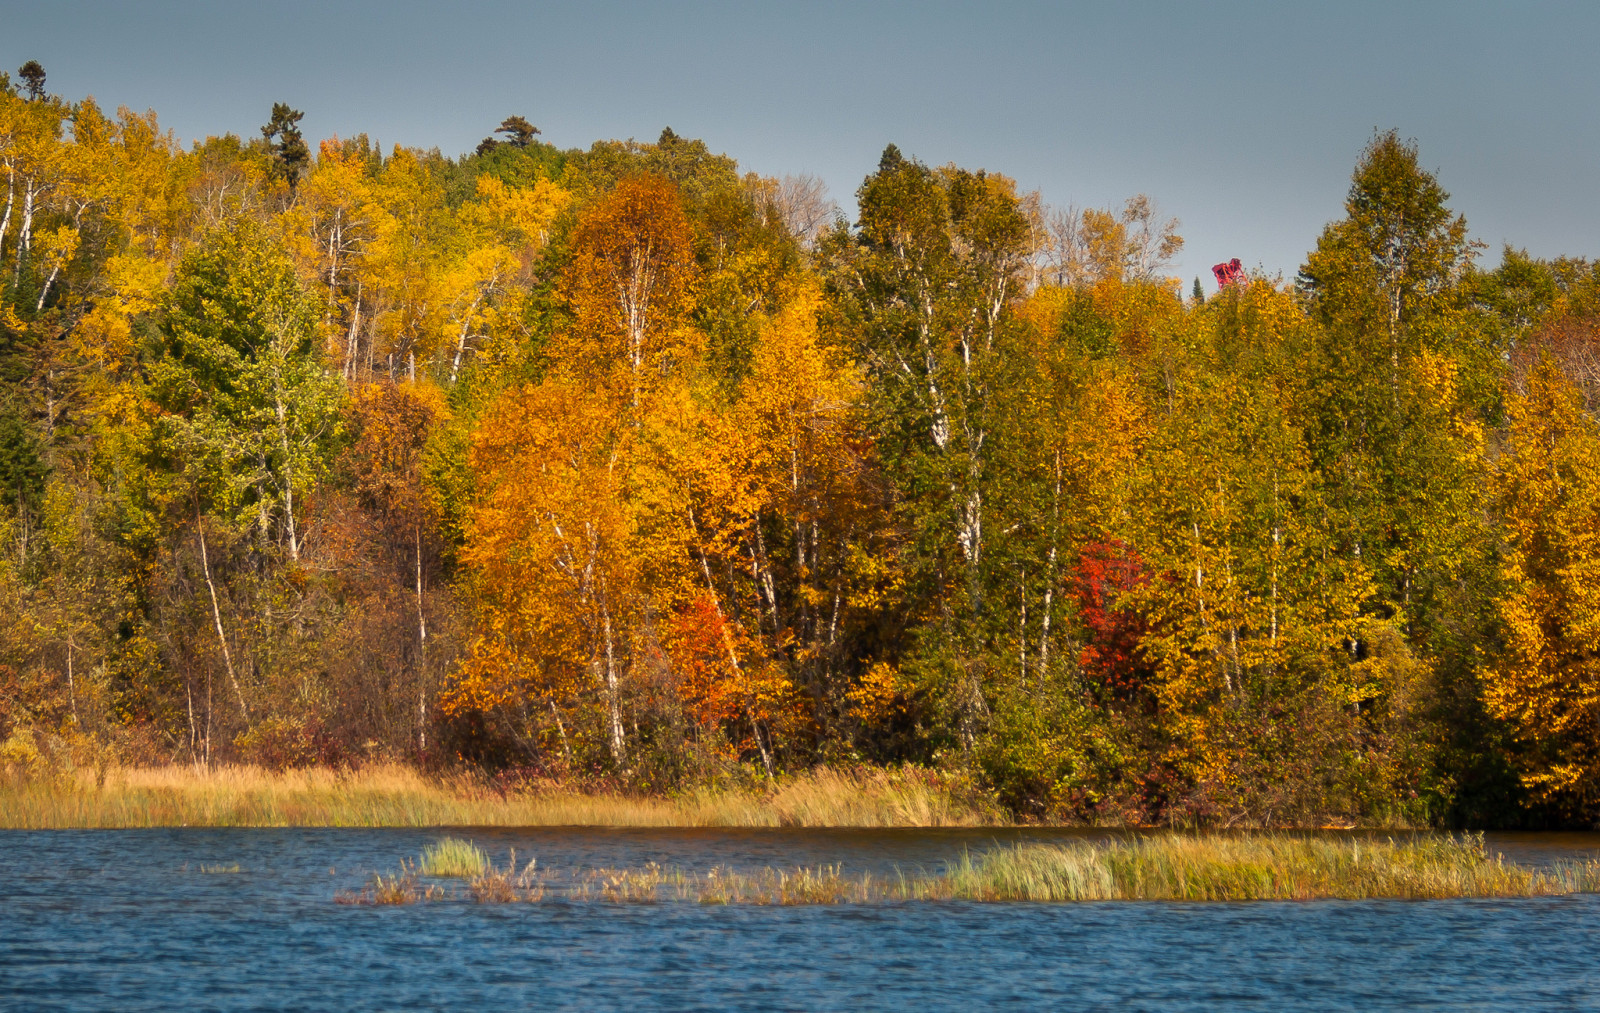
column 398, row 796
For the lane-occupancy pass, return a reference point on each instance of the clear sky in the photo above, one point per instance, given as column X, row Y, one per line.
column 1242, row 119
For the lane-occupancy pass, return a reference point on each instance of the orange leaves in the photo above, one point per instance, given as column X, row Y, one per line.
column 392, row 428
column 708, row 686
column 631, row 279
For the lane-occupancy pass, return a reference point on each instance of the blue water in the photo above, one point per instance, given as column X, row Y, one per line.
column 123, row 920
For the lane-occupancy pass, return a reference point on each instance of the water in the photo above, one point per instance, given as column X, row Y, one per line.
column 122, row 920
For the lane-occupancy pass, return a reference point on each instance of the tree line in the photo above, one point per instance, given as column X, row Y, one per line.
column 619, row 465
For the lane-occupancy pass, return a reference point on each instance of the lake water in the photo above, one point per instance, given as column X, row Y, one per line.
column 122, row 920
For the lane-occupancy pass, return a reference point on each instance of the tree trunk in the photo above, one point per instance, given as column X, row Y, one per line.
column 222, row 638
column 288, row 462
column 350, row 342
column 619, row 751
column 561, row 728
column 422, row 654
column 72, row 691
column 25, row 233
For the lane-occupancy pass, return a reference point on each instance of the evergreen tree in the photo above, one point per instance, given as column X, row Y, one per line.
column 288, row 147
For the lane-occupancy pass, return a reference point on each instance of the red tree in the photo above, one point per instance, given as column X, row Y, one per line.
column 1105, row 574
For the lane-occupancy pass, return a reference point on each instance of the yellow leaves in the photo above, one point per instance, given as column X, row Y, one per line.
column 135, row 285
column 518, row 217
column 56, row 247
column 1438, row 375
column 880, row 696
column 1546, row 681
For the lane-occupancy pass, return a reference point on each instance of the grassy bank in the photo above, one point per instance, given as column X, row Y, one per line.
column 396, row 796
column 1158, row 868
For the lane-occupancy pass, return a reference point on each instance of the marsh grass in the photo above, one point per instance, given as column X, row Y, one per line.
column 495, row 885
column 398, row 796
column 453, row 857
column 1167, row 867
column 826, row 884
column 402, row 887
column 1244, row 868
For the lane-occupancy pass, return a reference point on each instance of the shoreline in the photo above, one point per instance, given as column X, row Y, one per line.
column 400, row 796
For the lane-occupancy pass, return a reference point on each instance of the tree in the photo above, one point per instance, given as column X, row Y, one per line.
column 32, row 75
column 1546, row 680
column 555, row 547
column 288, row 147
column 385, row 467
column 630, row 282
column 1403, row 379
column 925, row 293
column 1097, row 244
column 519, row 134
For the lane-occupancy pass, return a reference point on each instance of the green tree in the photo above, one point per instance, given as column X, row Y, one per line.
column 1403, row 377
column 924, row 293
column 288, row 147
column 32, row 75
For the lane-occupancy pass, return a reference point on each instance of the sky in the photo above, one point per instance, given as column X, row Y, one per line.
column 1243, row 120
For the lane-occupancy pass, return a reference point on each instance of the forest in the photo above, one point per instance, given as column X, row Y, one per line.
column 625, row 469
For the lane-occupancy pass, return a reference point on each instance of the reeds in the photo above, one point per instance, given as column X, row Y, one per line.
column 450, row 858
column 1169, row 867
column 403, row 887
column 453, row 857
column 398, row 796
column 1245, row 868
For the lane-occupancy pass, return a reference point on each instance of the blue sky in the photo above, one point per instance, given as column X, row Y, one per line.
column 1242, row 119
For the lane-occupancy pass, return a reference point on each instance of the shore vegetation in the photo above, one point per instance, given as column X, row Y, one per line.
column 399, row 796
column 1167, row 867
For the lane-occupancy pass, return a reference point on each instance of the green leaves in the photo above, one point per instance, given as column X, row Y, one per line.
column 248, row 411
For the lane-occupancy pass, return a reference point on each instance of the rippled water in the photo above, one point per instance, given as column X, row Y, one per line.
column 123, row 920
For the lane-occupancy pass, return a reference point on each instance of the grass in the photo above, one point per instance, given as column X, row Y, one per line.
column 454, row 857
column 1246, row 868
column 398, row 796
column 1168, row 867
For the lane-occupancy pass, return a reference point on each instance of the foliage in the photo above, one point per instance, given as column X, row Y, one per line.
column 621, row 468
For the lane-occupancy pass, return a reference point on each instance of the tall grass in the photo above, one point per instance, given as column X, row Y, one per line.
column 398, row 796
column 1256, row 867
column 453, row 857
column 1160, row 868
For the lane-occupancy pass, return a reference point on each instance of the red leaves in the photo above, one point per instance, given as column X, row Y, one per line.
column 701, row 651
column 1105, row 574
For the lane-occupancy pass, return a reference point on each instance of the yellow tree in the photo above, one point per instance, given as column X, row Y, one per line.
column 631, row 282
column 329, row 228
column 576, row 537
column 554, row 551
column 503, row 230
column 779, row 500
column 1546, row 681
column 413, row 235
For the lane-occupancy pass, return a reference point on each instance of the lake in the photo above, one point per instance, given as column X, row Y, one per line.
column 124, row 920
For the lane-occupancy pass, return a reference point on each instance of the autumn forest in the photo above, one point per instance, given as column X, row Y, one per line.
column 626, row 469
